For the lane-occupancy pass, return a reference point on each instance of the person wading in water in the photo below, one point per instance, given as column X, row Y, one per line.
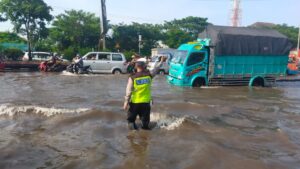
column 138, row 94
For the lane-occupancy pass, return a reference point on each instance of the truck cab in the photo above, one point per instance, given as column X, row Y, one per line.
column 189, row 66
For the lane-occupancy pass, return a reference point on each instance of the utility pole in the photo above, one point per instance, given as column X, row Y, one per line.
column 140, row 44
column 236, row 14
column 298, row 43
column 103, row 25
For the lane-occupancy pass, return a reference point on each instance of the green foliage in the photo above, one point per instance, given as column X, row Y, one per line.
column 6, row 37
column 183, row 30
column 1, row 52
column 29, row 17
column 175, row 37
column 76, row 29
column 83, row 51
column 191, row 25
column 45, row 45
column 128, row 55
column 289, row 31
column 126, row 37
column 13, row 54
column 69, row 53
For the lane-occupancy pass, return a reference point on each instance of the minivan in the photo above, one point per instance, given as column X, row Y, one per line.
column 105, row 62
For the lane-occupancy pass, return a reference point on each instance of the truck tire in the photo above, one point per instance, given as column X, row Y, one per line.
column 198, row 82
column 258, row 82
column 161, row 72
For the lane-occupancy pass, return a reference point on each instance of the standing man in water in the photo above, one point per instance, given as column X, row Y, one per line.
column 138, row 94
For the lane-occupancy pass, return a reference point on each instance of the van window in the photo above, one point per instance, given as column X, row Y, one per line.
column 195, row 58
column 105, row 57
column 117, row 57
column 91, row 56
column 40, row 56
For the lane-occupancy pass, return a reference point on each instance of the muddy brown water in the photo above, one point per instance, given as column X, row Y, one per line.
column 62, row 121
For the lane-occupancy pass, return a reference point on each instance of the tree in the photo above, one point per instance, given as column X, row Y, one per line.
column 29, row 18
column 192, row 25
column 183, row 30
column 289, row 31
column 6, row 37
column 74, row 30
column 175, row 37
column 126, row 37
column 13, row 54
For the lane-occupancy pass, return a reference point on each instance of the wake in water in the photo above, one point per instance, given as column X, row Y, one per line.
column 12, row 110
column 160, row 121
column 167, row 122
column 66, row 73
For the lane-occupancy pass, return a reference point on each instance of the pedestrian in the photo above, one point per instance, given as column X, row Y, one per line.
column 138, row 95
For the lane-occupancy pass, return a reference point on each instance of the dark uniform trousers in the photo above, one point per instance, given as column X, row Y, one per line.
column 142, row 110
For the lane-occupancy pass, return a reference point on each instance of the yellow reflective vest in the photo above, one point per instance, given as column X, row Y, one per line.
column 141, row 88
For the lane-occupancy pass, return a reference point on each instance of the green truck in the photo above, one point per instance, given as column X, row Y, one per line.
column 231, row 56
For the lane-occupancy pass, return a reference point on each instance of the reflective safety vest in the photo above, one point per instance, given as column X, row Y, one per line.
column 141, row 88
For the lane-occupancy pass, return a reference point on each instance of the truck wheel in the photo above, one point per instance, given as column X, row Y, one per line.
column 198, row 82
column 117, row 72
column 258, row 82
column 161, row 72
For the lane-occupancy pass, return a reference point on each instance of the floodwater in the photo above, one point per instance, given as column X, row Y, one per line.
column 76, row 122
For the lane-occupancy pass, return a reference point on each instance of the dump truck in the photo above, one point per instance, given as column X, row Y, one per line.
column 231, row 56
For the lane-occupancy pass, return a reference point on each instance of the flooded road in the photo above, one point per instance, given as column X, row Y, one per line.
column 60, row 121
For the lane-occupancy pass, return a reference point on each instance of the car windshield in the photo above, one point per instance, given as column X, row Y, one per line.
column 179, row 56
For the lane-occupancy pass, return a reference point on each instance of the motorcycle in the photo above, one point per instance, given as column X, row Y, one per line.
column 48, row 67
column 75, row 68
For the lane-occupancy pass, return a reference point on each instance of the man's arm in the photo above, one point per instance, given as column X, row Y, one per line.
column 129, row 90
column 157, row 66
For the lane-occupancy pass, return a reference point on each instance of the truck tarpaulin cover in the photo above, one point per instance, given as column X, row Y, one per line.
column 234, row 41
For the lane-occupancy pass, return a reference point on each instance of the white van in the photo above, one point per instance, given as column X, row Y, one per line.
column 37, row 56
column 105, row 62
column 164, row 69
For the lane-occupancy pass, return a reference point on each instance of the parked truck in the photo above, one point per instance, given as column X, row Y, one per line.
column 231, row 56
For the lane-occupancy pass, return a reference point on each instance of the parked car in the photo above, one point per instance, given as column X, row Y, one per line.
column 105, row 62
column 39, row 56
column 164, row 69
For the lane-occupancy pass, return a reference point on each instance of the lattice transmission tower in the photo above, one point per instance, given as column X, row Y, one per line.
column 236, row 17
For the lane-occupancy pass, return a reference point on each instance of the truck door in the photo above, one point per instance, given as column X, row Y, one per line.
column 197, row 64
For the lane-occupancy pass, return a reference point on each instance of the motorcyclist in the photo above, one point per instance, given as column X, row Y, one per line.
column 78, row 63
column 53, row 60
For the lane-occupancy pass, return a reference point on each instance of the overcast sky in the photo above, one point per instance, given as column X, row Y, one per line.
column 157, row 11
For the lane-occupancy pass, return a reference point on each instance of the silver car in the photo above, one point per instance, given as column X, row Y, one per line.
column 105, row 62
